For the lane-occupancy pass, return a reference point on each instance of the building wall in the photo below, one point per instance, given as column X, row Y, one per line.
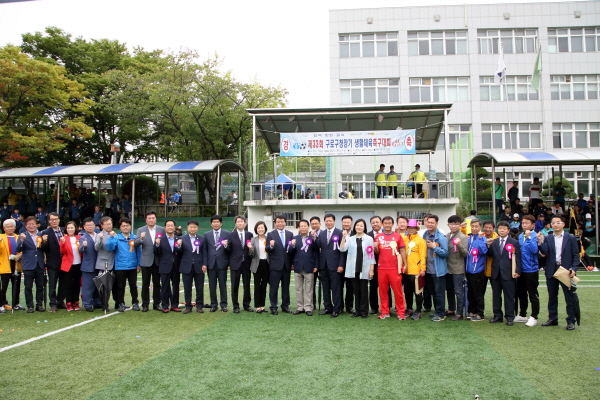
column 474, row 112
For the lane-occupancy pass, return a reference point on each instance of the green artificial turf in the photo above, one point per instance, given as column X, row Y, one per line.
column 218, row 355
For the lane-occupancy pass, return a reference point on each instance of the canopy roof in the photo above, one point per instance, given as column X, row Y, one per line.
column 427, row 119
column 282, row 179
column 513, row 159
column 122, row 169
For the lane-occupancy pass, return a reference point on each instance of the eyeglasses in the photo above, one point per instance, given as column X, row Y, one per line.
column 557, row 223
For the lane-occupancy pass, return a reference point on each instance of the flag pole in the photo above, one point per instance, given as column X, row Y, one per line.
column 503, row 83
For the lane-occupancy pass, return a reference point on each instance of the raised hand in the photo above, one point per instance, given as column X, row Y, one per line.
column 113, row 233
column 272, row 243
column 293, row 242
column 85, row 243
column 143, row 235
column 45, row 238
column 157, row 241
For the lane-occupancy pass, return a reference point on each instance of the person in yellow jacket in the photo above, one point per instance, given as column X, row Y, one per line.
column 392, row 182
column 418, row 177
column 488, row 232
column 380, row 181
column 9, row 261
column 414, row 277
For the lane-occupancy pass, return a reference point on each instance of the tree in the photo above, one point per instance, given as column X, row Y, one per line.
column 552, row 183
column 41, row 110
column 146, row 190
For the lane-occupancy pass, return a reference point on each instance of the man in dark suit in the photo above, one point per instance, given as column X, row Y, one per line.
column 167, row 248
column 89, row 294
column 504, row 251
column 192, row 266
column 146, row 236
column 279, row 246
column 315, row 225
column 331, row 268
column 32, row 247
column 51, row 237
column 239, row 264
column 560, row 249
column 216, row 243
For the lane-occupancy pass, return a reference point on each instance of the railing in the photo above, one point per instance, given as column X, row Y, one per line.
column 343, row 189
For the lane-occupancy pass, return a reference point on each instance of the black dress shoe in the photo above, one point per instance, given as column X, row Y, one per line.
column 286, row 310
column 90, row 309
column 364, row 316
column 213, row 309
column 427, row 310
column 199, row 310
column 570, row 326
column 550, row 322
column 354, row 315
column 309, row 313
column 325, row 312
column 495, row 320
column 145, row 308
column 350, row 311
column 187, row 310
column 334, row 314
column 157, row 308
column 373, row 312
column 236, row 310
column 274, row 312
column 298, row 312
column 63, row 306
column 30, row 310
column 224, row 309
column 40, row 309
column 510, row 323
column 249, row 309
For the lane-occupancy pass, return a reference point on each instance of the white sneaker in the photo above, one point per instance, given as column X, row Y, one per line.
column 518, row 318
column 595, row 269
column 2, row 310
column 531, row 322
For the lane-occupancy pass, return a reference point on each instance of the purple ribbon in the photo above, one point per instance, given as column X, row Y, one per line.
column 307, row 243
column 335, row 239
column 196, row 245
column 289, row 246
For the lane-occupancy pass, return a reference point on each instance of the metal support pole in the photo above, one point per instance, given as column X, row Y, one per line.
column 446, row 144
column 218, row 196
column 253, row 149
column 166, row 189
column 275, row 177
column 596, row 207
column 132, row 202
column 494, row 190
column 474, row 175
column 57, row 197
column 239, row 208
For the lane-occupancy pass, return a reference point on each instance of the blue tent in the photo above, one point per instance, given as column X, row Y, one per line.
column 283, row 180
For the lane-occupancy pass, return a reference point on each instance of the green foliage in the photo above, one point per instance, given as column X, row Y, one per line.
column 146, row 190
column 552, row 183
column 41, row 110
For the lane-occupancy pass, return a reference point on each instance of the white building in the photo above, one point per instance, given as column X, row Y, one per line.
column 450, row 53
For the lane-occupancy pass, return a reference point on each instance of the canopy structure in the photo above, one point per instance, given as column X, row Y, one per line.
column 66, row 171
column 427, row 119
column 282, row 179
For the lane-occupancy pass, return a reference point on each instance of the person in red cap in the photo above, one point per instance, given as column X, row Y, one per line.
column 391, row 264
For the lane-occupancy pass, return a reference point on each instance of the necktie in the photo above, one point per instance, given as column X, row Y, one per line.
column 242, row 242
column 501, row 246
column 217, row 238
column 328, row 236
column 282, row 239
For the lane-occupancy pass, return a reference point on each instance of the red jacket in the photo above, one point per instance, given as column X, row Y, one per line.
column 67, row 253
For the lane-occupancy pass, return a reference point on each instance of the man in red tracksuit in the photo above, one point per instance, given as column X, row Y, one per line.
column 391, row 264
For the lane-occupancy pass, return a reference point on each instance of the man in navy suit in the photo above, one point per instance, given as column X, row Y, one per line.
column 87, row 242
column 216, row 243
column 32, row 247
column 304, row 269
column 51, row 238
column 239, row 264
column 331, row 268
column 560, row 249
column 504, row 251
column 279, row 246
column 192, row 266
column 168, row 247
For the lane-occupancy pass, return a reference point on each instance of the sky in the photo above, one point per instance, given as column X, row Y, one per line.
column 276, row 43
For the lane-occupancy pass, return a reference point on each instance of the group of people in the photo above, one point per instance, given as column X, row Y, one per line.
column 420, row 267
column 387, row 183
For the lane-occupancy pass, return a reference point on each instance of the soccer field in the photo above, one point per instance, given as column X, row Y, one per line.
column 137, row 355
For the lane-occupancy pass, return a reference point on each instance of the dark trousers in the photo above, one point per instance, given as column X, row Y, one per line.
column 450, row 293
column 553, row 285
column 15, row 281
column 4, row 280
column 244, row 273
column 217, row 275
column 326, row 286
column 315, row 302
column 394, row 190
column 418, row 188
column 409, row 282
column 437, row 288
column 69, row 287
column 335, row 282
column 275, row 277
column 190, row 280
column 476, row 283
column 381, row 190
column 53, row 282
column 34, row 276
column 261, row 279
column 148, row 273
column 455, row 292
column 169, row 289
column 527, row 286
column 499, row 207
column 507, row 287
column 89, row 293
column 349, row 297
column 122, row 277
column 360, row 288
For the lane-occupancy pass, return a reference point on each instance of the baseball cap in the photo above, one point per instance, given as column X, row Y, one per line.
column 516, row 215
column 412, row 223
column 588, row 215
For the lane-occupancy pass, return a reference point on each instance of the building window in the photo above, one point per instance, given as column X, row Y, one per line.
column 456, row 133
column 516, row 88
column 574, row 87
column 573, row 40
column 521, row 136
column 368, row 45
column 575, row 136
column 437, row 43
column 514, row 40
column 370, row 91
column 425, row 90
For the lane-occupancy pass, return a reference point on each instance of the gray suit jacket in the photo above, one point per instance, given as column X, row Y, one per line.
column 254, row 254
column 104, row 256
column 148, row 257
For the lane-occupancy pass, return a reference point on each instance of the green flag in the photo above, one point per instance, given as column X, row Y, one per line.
column 537, row 70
